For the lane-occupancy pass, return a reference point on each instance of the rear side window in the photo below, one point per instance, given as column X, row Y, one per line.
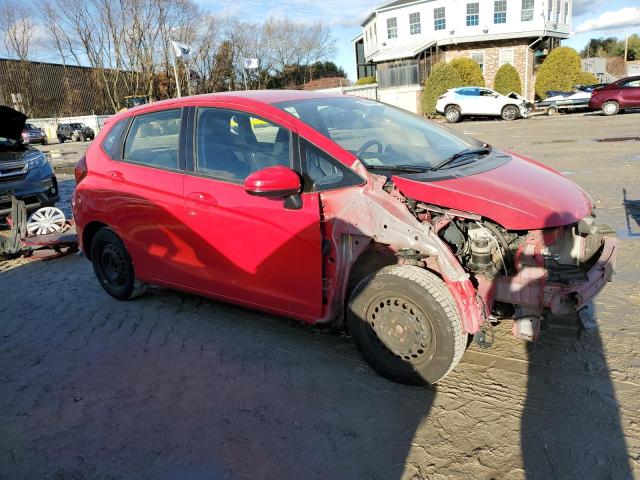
column 154, row 139
column 112, row 139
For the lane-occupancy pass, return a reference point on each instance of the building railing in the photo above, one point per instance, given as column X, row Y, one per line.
column 398, row 74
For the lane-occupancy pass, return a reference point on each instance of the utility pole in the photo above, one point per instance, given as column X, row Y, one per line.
column 626, row 48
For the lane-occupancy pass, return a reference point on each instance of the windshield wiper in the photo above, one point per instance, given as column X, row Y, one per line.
column 485, row 150
column 399, row 168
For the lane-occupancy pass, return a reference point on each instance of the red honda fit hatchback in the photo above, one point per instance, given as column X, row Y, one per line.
column 339, row 209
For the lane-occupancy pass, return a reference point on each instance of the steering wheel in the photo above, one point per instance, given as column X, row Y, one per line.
column 367, row 145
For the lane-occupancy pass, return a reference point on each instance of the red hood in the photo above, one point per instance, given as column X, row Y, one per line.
column 519, row 195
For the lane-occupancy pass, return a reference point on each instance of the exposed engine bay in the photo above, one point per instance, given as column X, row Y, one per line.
column 527, row 276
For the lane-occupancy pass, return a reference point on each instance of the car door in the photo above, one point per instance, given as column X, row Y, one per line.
column 143, row 198
column 630, row 94
column 489, row 102
column 250, row 249
column 467, row 99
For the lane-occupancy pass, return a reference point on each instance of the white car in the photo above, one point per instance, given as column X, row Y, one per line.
column 480, row 102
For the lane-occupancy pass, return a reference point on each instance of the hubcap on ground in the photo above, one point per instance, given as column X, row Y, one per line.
column 114, row 265
column 400, row 326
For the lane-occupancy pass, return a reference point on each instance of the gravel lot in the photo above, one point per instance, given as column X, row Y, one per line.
column 173, row 386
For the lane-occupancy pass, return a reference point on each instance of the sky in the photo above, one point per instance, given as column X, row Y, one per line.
column 591, row 18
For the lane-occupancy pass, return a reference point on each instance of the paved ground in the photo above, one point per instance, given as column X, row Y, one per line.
column 172, row 386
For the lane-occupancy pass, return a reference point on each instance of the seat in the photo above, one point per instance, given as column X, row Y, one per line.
column 217, row 150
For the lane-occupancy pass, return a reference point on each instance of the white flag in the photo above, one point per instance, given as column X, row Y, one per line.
column 183, row 51
column 250, row 63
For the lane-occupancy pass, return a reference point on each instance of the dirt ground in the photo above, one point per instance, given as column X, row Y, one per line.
column 173, row 386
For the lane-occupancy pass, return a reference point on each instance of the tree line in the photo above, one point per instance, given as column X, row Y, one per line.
column 129, row 43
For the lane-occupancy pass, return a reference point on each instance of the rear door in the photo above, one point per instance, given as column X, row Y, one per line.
column 144, row 197
column 630, row 94
column 253, row 250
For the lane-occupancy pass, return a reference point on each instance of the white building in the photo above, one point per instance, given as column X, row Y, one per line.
column 401, row 40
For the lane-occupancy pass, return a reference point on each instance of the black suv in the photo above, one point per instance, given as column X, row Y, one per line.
column 24, row 171
column 75, row 132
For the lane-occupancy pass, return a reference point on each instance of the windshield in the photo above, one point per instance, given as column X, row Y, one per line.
column 380, row 135
column 77, row 125
column 29, row 126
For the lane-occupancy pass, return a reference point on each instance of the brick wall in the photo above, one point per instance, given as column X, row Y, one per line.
column 492, row 59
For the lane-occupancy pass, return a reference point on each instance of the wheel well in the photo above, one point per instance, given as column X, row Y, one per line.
column 88, row 233
column 367, row 263
column 452, row 105
column 511, row 105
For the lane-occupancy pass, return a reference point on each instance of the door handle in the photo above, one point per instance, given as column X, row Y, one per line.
column 116, row 176
column 202, row 198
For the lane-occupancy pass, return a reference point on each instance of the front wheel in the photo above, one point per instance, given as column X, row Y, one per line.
column 406, row 325
column 610, row 108
column 510, row 112
column 452, row 114
column 112, row 265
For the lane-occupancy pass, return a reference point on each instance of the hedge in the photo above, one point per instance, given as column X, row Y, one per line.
column 470, row 72
column 561, row 70
column 443, row 77
column 507, row 80
column 366, row 81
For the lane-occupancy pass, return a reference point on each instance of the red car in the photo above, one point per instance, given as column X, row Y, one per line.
column 331, row 208
column 616, row 96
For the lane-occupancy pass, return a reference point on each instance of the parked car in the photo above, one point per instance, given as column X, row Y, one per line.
column 335, row 208
column 74, row 132
column 457, row 103
column 24, row 171
column 33, row 134
column 617, row 96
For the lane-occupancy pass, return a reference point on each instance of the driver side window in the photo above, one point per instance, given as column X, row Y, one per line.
column 321, row 172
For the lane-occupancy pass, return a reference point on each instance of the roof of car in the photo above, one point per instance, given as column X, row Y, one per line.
column 241, row 97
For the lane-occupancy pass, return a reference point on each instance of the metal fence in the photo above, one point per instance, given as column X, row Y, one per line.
column 398, row 74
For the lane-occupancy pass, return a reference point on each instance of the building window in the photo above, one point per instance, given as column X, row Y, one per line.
column 506, row 55
column 473, row 14
column 550, row 12
column 558, row 8
column 375, row 31
column 392, row 28
column 527, row 10
column 566, row 13
column 439, row 20
column 478, row 57
column 414, row 23
column 500, row 11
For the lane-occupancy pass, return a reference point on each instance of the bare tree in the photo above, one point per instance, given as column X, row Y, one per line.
column 17, row 27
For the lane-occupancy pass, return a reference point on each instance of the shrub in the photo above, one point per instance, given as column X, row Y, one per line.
column 469, row 71
column 587, row 78
column 561, row 70
column 507, row 80
column 366, row 81
column 442, row 78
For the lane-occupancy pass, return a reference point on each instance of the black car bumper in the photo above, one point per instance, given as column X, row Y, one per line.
column 43, row 193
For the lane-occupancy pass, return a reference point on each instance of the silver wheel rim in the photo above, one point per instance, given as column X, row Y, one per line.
column 509, row 113
column 452, row 115
column 45, row 220
column 609, row 108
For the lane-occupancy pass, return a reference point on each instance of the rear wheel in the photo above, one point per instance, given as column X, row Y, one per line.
column 510, row 112
column 60, row 138
column 610, row 108
column 452, row 114
column 112, row 265
column 405, row 323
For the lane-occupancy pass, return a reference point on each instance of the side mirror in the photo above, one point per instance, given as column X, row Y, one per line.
column 276, row 182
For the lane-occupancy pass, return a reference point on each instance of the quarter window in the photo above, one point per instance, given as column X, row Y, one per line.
column 478, row 57
column 112, row 139
column 439, row 19
column 527, row 10
column 322, row 172
column 500, row 11
column 414, row 23
column 473, row 14
column 230, row 145
column 154, row 139
column 392, row 27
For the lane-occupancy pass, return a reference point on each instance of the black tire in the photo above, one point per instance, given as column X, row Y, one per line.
column 509, row 113
column 83, row 137
column 610, row 107
column 406, row 325
column 452, row 114
column 61, row 139
column 112, row 265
